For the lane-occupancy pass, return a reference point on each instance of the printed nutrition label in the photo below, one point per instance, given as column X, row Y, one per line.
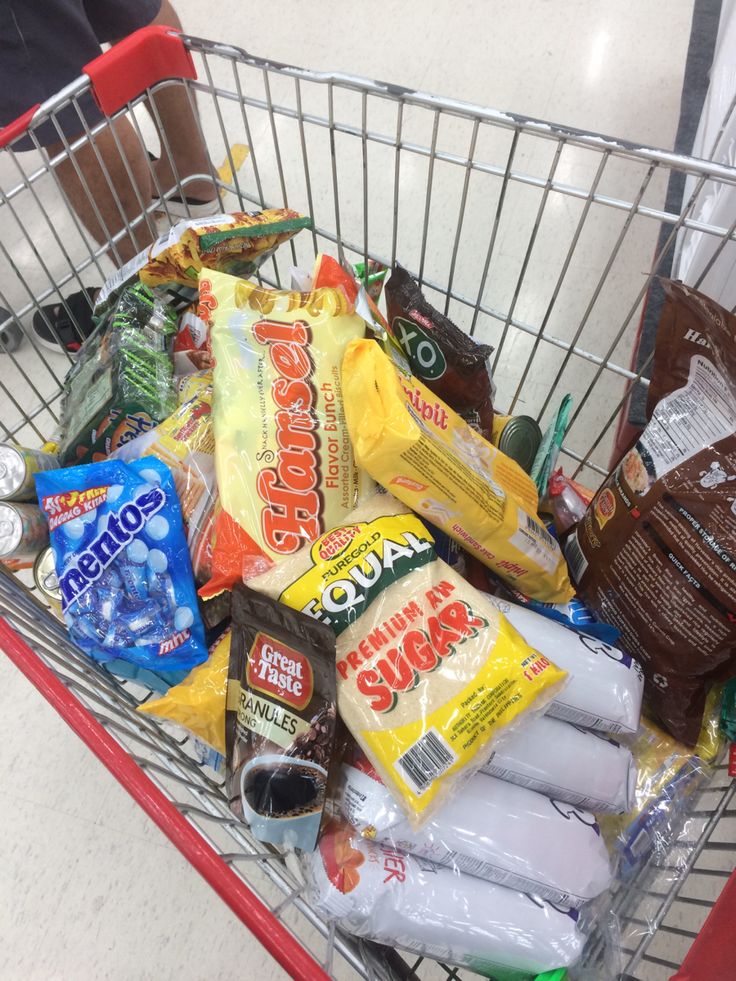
column 692, row 418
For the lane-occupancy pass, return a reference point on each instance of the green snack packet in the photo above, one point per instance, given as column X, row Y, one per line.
column 371, row 275
column 122, row 384
column 549, row 448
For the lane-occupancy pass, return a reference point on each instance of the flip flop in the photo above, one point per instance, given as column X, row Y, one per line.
column 188, row 207
column 58, row 330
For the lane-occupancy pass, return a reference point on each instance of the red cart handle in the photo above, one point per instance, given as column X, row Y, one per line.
column 130, row 67
column 272, row 934
column 134, row 64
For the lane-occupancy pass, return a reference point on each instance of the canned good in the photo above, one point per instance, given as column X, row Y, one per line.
column 47, row 582
column 23, row 531
column 518, row 437
column 17, row 468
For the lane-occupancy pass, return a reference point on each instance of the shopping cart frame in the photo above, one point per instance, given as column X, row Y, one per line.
column 160, row 771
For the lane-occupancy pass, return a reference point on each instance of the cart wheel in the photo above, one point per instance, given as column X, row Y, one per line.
column 11, row 335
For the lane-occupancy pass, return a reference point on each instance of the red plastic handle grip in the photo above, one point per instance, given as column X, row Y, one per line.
column 140, row 60
column 271, row 933
column 17, row 127
column 711, row 956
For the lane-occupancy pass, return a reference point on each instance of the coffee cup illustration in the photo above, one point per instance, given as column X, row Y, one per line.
column 282, row 799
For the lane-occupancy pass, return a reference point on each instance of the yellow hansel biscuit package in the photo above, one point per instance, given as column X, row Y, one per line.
column 285, row 466
column 426, row 455
column 429, row 673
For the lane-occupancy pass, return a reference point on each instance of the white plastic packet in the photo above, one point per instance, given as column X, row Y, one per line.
column 375, row 892
column 568, row 763
column 491, row 829
column 605, row 686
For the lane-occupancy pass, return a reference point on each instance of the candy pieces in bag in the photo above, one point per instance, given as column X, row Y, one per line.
column 428, row 673
column 423, row 452
column 654, row 554
column 491, row 829
column 198, row 702
column 122, row 562
column 285, row 467
column 449, row 362
column 373, row 891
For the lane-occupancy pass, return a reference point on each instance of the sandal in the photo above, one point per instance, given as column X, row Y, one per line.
column 63, row 327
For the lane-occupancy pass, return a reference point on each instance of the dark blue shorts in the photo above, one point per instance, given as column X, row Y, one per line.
column 44, row 45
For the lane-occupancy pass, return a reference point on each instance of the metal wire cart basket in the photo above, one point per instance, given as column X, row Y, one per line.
column 541, row 241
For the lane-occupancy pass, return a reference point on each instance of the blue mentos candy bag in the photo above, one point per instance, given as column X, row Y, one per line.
column 127, row 589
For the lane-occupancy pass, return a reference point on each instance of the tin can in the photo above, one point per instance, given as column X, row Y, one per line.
column 17, row 469
column 518, row 437
column 47, row 582
column 23, row 531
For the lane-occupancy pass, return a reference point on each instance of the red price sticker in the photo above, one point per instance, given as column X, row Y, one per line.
column 732, row 760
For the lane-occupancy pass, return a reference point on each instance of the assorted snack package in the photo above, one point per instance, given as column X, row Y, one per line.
column 418, row 448
column 285, row 466
column 122, row 382
column 386, row 661
column 653, row 554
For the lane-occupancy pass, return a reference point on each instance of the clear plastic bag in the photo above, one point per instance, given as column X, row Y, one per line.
column 501, row 833
column 378, row 893
column 605, row 688
column 568, row 763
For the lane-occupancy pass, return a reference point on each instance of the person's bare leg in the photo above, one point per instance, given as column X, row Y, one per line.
column 100, row 191
column 174, row 111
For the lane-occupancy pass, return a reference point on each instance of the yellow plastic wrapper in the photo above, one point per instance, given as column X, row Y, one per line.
column 668, row 775
column 187, row 386
column 429, row 673
column 425, row 454
column 237, row 243
column 198, row 702
column 285, row 466
column 184, row 441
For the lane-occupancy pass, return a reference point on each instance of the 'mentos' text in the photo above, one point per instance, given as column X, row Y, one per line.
column 122, row 527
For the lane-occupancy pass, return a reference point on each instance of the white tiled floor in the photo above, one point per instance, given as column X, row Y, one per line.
column 90, row 889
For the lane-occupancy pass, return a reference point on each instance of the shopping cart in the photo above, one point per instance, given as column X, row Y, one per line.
column 536, row 238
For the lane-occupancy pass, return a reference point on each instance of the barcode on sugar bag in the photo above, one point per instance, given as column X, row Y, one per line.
column 575, row 558
column 427, row 759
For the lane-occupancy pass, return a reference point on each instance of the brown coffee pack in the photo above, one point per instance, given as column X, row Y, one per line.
column 655, row 554
column 280, row 719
